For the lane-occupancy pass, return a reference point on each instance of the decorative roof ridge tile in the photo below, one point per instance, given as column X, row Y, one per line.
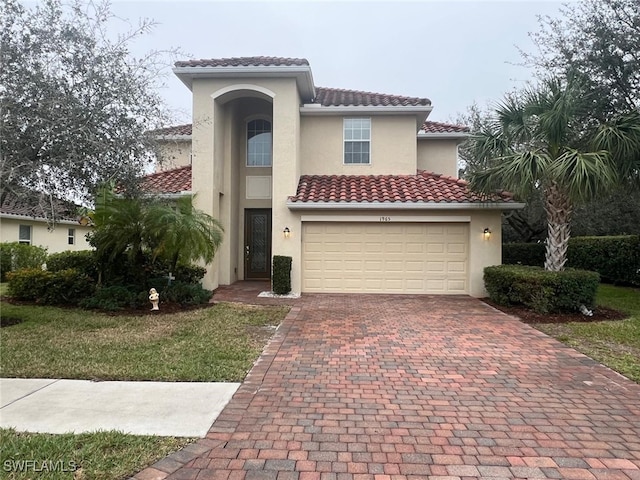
column 255, row 61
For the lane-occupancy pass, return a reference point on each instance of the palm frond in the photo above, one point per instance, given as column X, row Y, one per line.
column 584, row 175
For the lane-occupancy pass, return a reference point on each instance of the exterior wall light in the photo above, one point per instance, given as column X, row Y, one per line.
column 286, row 232
column 487, row 233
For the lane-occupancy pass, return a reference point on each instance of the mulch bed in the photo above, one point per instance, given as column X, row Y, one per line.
column 600, row 314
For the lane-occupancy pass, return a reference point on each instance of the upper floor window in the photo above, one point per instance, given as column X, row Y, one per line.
column 259, row 143
column 357, row 140
column 24, row 235
column 71, row 236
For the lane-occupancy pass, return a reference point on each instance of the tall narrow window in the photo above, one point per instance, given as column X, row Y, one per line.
column 24, row 235
column 71, row 238
column 357, row 141
column 259, row 143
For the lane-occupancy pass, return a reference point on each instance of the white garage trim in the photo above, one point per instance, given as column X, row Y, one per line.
column 386, row 218
column 387, row 257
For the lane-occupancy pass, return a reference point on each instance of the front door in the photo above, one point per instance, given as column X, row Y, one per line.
column 257, row 243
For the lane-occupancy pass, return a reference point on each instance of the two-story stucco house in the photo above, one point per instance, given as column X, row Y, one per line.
column 358, row 188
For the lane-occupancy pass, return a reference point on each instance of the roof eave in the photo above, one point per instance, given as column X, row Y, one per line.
column 11, row 216
column 404, row 205
column 302, row 74
column 421, row 112
column 443, row 135
column 174, row 138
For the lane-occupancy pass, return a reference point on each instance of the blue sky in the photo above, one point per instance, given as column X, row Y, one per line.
column 455, row 53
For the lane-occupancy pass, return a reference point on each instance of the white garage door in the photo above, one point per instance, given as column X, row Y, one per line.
column 385, row 257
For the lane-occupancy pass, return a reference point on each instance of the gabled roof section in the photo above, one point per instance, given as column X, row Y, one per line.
column 328, row 97
column 425, row 190
column 247, row 68
column 175, row 181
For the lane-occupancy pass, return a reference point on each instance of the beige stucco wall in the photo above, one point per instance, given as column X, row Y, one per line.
column 482, row 252
column 55, row 240
column 438, row 156
column 221, row 108
column 393, row 146
column 173, row 154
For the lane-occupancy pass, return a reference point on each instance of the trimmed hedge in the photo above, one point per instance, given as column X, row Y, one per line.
column 616, row 259
column 16, row 256
column 83, row 261
column 540, row 290
column 281, row 274
column 65, row 287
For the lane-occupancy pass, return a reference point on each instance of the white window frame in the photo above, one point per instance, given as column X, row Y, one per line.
column 71, row 236
column 25, row 241
column 246, row 136
column 345, row 123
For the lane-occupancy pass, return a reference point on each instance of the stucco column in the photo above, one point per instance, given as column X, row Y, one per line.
column 483, row 251
column 286, row 167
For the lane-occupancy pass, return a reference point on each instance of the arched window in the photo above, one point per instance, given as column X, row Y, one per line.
column 259, row 143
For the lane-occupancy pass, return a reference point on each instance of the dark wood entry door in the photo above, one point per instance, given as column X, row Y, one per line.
column 257, row 243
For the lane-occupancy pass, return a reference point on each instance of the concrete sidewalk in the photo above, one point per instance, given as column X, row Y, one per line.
column 181, row 409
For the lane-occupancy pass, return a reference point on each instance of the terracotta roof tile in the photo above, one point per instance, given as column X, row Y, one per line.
column 438, row 127
column 243, row 62
column 176, row 180
column 175, row 130
column 422, row 187
column 31, row 206
column 330, row 97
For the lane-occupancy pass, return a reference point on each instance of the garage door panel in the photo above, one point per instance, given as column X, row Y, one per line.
column 385, row 257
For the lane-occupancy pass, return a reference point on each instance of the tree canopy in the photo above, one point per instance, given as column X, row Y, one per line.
column 598, row 40
column 76, row 108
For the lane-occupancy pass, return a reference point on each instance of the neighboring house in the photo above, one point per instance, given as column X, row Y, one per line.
column 23, row 220
column 358, row 188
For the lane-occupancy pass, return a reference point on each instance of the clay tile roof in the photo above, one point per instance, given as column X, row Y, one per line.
column 29, row 205
column 175, row 130
column 423, row 187
column 176, row 180
column 243, row 62
column 330, row 97
column 438, row 127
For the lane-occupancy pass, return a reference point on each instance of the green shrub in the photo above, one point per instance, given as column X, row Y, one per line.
column 66, row 287
column 539, row 289
column 28, row 283
column 17, row 256
column 114, row 298
column 83, row 261
column 523, row 254
column 616, row 259
column 184, row 294
column 158, row 274
column 281, row 274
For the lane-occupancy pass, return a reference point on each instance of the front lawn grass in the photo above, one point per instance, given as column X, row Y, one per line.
column 615, row 344
column 214, row 344
column 97, row 456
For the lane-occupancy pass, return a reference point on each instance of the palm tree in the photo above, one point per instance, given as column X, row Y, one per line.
column 183, row 233
column 544, row 138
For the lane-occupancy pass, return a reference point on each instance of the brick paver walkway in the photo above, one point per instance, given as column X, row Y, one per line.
column 399, row 387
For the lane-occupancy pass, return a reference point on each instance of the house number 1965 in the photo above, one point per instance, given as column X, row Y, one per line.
column 385, row 219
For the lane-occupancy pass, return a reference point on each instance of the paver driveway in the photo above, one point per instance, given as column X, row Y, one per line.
column 393, row 387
